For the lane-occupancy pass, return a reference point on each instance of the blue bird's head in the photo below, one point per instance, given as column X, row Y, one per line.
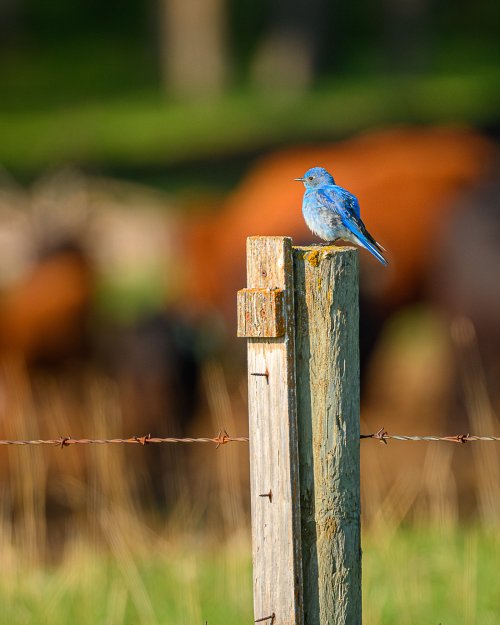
column 316, row 177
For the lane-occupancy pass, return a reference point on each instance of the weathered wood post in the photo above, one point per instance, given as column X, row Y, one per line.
column 266, row 318
column 327, row 373
column 300, row 315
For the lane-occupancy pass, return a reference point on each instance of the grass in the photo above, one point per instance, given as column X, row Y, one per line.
column 427, row 576
column 420, row 577
column 142, row 129
column 178, row 585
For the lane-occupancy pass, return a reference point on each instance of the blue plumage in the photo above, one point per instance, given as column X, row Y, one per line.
column 332, row 212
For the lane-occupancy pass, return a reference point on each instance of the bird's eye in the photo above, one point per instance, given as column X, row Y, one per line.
column 310, row 178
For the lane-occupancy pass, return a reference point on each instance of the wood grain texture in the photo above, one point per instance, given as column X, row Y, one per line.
column 273, row 445
column 261, row 313
column 327, row 370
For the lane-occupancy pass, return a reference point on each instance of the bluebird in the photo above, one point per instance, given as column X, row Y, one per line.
column 332, row 212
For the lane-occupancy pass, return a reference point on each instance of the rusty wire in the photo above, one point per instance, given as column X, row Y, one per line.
column 384, row 436
column 223, row 437
column 65, row 441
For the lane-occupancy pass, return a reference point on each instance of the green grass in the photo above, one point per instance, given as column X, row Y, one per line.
column 431, row 577
column 416, row 577
column 178, row 584
column 141, row 129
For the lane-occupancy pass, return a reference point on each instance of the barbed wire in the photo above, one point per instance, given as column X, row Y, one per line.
column 223, row 437
column 65, row 441
column 384, row 436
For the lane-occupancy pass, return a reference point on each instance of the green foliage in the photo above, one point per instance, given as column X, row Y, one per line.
column 143, row 130
column 80, row 83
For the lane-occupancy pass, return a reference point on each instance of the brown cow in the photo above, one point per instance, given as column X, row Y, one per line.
column 409, row 182
column 405, row 179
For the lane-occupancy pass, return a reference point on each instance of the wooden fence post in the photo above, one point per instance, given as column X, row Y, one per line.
column 300, row 315
column 266, row 318
column 327, row 373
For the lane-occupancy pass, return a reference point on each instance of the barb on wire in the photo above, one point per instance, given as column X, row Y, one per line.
column 384, row 436
column 65, row 441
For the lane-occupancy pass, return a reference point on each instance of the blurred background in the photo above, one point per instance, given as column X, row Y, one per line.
column 140, row 144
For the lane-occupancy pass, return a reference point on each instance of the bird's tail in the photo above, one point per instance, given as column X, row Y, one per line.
column 375, row 248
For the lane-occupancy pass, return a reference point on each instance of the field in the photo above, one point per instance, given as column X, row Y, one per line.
column 107, row 561
column 417, row 576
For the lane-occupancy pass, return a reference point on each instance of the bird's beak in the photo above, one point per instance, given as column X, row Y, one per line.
column 299, row 179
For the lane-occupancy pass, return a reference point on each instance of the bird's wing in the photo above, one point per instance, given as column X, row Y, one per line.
column 339, row 200
column 346, row 206
column 335, row 199
column 350, row 201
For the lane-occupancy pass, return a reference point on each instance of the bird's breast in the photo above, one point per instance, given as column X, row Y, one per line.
column 319, row 219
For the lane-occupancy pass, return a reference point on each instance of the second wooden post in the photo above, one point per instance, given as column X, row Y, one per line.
column 327, row 374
